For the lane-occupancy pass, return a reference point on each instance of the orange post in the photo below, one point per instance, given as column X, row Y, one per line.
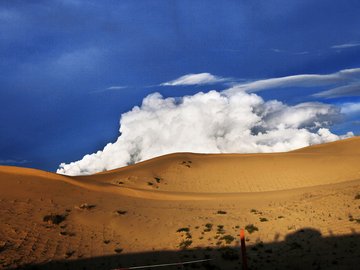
column 243, row 250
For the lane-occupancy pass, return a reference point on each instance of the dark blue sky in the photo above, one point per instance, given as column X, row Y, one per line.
column 59, row 57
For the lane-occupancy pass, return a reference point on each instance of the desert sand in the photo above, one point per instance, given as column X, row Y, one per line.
column 304, row 206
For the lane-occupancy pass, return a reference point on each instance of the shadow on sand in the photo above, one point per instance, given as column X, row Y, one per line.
column 303, row 249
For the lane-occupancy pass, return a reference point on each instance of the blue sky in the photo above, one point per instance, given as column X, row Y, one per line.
column 69, row 69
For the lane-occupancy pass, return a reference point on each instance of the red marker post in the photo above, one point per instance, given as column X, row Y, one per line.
column 243, row 250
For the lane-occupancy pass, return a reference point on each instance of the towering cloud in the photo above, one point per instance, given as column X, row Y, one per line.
column 214, row 122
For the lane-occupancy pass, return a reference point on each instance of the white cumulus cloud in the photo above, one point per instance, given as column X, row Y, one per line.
column 213, row 122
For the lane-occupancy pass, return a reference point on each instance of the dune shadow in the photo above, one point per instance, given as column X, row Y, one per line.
column 303, row 249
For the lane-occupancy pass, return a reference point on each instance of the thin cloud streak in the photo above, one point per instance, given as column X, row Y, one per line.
column 195, row 79
column 288, row 52
column 345, row 76
column 350, row 108
column 341, row 91
column 116, row 87
column 345, row 82
column 345, row 45
column 110, row 88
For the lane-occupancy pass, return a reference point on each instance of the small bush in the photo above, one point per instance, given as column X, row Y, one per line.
column 118, row 250
column 208, row 227
column 157, row 179
column 250, row 228
column 253, row 211
column 185, row 244
column 357, row 196
column 220, row 229
column 280, row 217
column 150, row 183
column 221, row 212
column 228, row 238
column 183, row 230
column 262, row 219
column 54, row 219
column 69, row 253
column 121, row 212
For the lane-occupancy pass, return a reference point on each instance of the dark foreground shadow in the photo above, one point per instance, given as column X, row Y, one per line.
column 304, row 249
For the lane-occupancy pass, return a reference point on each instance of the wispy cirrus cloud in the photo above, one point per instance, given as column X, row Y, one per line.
column 289, row 52
column 111, row 88
column 350, row 107
column 346, row 45
column 196, row 79
column 345, row 82
column 116, row 87
column 344, row 77
column 341, row 91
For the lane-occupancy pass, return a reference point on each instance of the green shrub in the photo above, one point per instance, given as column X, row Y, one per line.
column 185, row 244
column 208, row 227
column 183, row 230
column 250, row 228
column 228, row 238
column 220, row 229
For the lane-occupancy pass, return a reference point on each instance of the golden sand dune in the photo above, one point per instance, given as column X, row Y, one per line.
column 139, row 208
column 232, row 173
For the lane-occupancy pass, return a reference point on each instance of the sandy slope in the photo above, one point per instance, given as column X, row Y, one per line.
column 311, row 187
column 232, row 173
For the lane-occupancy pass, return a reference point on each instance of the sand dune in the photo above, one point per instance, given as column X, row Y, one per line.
column 140, row 207
column 231, row 173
